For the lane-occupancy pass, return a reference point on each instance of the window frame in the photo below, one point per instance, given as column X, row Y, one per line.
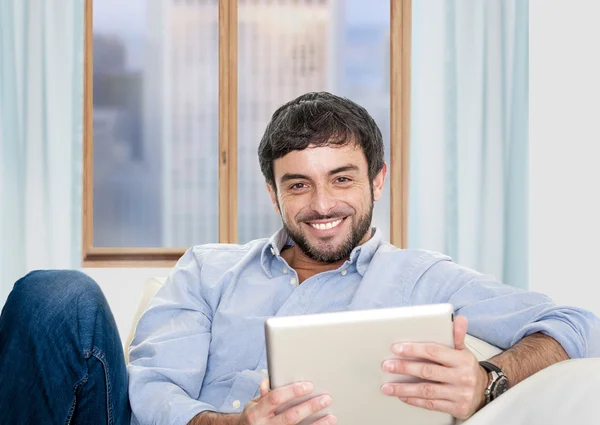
column 400, row 52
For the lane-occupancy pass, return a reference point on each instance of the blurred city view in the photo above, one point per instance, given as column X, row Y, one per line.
column 156, row 106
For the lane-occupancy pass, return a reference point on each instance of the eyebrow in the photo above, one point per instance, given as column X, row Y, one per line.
column 288, row 176
column 344, row 168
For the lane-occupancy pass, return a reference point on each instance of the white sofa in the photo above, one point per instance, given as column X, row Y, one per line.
column 565, row 393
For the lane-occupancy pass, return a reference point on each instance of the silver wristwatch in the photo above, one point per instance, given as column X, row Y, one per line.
column 497, row 384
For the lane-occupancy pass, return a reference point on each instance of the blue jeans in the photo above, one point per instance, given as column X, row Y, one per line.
column 61, row 358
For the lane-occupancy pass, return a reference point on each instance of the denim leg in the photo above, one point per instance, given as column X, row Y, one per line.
column 61, row 359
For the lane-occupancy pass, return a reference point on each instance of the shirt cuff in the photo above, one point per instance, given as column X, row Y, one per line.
column 567, row 335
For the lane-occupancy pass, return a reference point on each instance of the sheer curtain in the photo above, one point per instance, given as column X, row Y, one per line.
column 41, row 116
column 469, row 144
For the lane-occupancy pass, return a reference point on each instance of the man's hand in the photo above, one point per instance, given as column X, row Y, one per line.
column 455, row 381
column 263, row 409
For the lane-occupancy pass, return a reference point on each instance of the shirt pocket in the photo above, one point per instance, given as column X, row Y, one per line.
column 244, row 388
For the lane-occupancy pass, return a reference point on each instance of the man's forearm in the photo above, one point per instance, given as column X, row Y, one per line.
column 212, row 418
column 528, row 356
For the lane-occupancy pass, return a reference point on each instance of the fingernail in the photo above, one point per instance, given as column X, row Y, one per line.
column 307, row 387
column 388, row 366
column 387, row 389
column 398, row 348
column 332, row 420
column 325, row 401
column 404, row 399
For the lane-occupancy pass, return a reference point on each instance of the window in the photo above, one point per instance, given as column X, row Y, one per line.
column 178, row 94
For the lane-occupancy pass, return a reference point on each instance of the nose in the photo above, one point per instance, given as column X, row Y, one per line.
column 323, row 201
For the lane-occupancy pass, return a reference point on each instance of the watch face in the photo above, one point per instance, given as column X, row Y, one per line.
column 500, row 387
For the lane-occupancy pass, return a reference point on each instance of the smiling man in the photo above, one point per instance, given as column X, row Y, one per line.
column 198, row 356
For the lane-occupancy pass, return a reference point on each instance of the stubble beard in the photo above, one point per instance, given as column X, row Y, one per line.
column 328, row 253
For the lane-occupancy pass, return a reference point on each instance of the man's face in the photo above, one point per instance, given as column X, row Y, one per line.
column 325, row 199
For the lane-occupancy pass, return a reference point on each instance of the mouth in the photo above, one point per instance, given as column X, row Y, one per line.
column 326, row 227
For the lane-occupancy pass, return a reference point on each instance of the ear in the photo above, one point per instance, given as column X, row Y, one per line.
column 273, row 195
column 378, row 182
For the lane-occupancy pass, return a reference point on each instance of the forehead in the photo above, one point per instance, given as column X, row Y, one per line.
column 319, row 160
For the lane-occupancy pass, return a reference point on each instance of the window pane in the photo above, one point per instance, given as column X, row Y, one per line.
column 155, row 123
column 290, row 47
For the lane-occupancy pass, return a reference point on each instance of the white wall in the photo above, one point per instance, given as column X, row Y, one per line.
column 564, row 150
column 123, row 288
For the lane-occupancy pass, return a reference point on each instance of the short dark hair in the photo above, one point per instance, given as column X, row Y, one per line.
column 320, row 119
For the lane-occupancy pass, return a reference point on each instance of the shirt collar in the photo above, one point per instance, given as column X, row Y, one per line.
column 361, row 255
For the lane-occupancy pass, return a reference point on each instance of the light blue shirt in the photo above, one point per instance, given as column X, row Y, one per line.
column 200, row 344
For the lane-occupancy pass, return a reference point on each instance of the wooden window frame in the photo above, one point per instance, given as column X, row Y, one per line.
column 400, row 52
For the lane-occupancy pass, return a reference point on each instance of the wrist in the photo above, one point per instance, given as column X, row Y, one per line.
column 497, row 382
column 212, row 418
column 483, row 383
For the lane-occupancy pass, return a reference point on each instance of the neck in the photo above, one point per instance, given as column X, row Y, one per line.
column 307, row 267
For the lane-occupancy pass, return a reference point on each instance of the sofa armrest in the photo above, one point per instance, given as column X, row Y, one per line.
column 564, row 393
column 480, row 348
column 149, row 290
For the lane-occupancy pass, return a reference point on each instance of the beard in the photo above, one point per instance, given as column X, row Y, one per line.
column 328, row 252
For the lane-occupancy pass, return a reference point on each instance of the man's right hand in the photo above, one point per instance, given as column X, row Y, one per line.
column 263, row 410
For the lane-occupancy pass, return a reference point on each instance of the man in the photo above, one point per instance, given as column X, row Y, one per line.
column 198, row 356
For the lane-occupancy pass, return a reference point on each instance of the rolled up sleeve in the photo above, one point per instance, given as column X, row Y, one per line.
column 169, row 353
column 502, row 315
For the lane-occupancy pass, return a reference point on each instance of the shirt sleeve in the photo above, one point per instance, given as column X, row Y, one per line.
column 169, row 352
column 501, row 314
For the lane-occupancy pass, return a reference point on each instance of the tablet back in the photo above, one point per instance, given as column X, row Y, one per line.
column 342, row 353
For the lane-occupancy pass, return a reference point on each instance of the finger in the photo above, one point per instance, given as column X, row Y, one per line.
column 460, row 331
column 297, row 414
column 326, row 420
column 438, row 405
column 264, row 387
column 423, row 370
column 428, row 351
column 425, row 390
column 275, row 398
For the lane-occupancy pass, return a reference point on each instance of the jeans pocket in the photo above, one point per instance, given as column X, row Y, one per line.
column 244, row 388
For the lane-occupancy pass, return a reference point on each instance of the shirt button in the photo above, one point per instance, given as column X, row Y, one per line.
column 293, row 281
column 344, row 272
column 285, row 271
column 236, row 404
column 264, row 371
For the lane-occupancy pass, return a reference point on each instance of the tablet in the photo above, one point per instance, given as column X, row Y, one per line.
column 342, row 353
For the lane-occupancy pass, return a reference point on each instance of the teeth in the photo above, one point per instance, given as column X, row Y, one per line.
column 325, row 226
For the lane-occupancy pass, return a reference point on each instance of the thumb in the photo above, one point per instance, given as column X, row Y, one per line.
column 460, row 331
column 264, row 387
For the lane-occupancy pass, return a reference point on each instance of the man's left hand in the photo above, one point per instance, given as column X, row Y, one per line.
column 454, row 382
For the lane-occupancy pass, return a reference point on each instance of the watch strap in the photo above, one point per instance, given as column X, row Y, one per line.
column 495, row 374
column 490, row 367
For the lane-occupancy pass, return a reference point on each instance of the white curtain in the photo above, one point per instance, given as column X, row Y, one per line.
column 468, row 176
column 41, row 128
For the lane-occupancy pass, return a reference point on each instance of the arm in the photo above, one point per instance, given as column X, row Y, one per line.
column 454, row 382
column 535, row 332
column 212, row 418
column 169, row 353
column 503, row 315
column 264, row 409
column 528, row 356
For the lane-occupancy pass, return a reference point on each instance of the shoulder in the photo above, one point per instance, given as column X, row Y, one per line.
column 225, row 256
column 411, row 258
column 204, row 266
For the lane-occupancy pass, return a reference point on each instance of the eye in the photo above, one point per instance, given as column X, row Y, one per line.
column 297, row 186
column 342, row 180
